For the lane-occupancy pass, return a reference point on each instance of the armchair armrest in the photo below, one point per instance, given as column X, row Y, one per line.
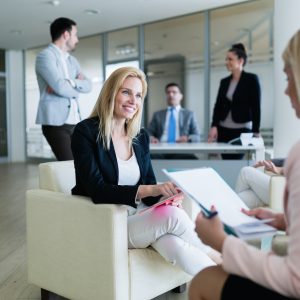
column 277, row 185
column 80, row 244
column 279, row 244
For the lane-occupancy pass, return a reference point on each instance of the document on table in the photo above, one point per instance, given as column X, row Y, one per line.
column 207, row 188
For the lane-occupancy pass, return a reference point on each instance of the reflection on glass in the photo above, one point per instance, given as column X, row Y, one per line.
column 169, row 45
column 112, row 67
column 123, row 44
column 37, row 145
column 89, row 54
column 247, row 23
column 250, row 24
column 3, row 125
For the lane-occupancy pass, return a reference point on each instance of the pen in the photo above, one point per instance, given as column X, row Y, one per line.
column 209, row 215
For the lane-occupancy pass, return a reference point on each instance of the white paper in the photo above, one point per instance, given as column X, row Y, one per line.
column 207, row 187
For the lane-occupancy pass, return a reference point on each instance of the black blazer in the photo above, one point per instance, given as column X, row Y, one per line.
column 245, row 104
column 97, row 171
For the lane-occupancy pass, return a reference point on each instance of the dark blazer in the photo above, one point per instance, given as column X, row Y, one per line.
column 97, row 171
column 187, row 124
column 245, row 105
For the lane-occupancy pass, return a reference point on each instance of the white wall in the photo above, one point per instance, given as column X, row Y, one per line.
column 286, row 125
column 15, row 105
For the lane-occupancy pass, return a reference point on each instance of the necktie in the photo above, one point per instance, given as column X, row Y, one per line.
column 172, row 126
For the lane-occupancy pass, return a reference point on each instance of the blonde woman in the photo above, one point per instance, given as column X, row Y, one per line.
column 112, row 164
column 247, row 272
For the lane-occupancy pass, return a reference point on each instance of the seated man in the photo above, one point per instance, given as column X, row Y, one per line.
column 174, row 124
column 252, row 184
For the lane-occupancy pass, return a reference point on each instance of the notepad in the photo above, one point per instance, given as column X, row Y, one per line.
column 207, row 187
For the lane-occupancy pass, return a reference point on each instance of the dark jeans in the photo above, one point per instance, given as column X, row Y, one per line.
column 59, row 139
column 225, row 135
column 237, row 287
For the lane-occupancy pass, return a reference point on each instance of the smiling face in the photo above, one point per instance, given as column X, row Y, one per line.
column 128, row 99
column 232, row 62
column 291, row 90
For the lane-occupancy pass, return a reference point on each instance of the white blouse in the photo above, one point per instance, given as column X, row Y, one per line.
column 129, row 171
column 129, row 174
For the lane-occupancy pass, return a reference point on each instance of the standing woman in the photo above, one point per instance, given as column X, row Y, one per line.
column 237, row 109
column 247, row 272
column 113, row 166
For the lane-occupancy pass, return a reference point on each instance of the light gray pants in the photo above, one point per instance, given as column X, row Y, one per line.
column 252, row 186
column 170, row 231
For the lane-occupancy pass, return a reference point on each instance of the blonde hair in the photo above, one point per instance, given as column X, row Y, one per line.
column 104, row 107
column 291, row 58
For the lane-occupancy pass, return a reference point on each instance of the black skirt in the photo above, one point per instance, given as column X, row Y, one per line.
column 226, row 135
column 237, row 287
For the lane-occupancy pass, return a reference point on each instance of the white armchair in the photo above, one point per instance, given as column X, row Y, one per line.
column 277, row 185
column 79, row 250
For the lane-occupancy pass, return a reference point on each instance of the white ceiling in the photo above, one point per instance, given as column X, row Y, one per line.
column 25, row 23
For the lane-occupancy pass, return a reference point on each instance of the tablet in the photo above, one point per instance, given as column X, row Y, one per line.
column 164, row 201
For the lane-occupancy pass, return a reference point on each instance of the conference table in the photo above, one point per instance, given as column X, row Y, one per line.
column 206, row 155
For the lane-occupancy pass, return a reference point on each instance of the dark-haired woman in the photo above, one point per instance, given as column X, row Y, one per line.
column 237, row 109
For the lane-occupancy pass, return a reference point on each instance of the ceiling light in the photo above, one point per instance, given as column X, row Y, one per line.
column 54, row 2
column 125, row 49
column 16, row 31
column 91, row 12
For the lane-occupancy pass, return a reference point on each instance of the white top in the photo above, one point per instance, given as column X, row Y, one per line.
column 129, row 174
column 129, row 171
column 164, row 137
column 73, row 117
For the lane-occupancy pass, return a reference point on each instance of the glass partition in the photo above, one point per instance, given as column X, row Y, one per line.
column 251, row 24
column 2, row 60
column 89, row 54
column 122, row 44
column 3, row 120
column 174, row 53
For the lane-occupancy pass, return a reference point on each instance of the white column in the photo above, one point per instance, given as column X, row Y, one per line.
column 286, row 125
column 15, row 105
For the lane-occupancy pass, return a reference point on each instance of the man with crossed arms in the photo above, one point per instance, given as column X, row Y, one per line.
column 60, row 82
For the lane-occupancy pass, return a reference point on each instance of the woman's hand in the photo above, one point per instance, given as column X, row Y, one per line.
column 263, row 213
column 212, row 135
column 211, row 231
column 166, row 189
column 269, row 166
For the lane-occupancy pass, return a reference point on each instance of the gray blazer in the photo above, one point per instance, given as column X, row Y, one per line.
column 187, row 125
column 54, row 107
